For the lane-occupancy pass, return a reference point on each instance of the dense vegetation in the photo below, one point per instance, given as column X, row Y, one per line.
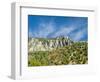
column 73, row 54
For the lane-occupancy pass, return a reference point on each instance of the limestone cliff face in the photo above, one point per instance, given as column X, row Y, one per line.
column 47, row 44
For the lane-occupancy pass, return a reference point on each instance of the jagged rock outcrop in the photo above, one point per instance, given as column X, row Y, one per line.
column 47, row 44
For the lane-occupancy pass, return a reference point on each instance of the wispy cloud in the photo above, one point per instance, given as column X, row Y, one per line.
column 79, row 34
column 64, row 31
column 76, row 31
column 44, row 29
column 49, row 28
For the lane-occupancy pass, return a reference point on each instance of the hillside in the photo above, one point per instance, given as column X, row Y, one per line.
column 75, row 53
column 48, row 44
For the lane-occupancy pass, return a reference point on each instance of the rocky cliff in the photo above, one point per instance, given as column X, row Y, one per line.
column 47, row 44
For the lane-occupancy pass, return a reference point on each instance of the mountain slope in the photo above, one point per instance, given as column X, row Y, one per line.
column 47, row 44
column 76, row 53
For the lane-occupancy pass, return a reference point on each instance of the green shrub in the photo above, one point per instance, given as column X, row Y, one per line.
column 73, row 54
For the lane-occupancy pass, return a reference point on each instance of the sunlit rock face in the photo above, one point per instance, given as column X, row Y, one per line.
column 48, row 44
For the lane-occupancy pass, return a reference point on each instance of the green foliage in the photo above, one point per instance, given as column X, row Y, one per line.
column 38, row 58
column 73, row 54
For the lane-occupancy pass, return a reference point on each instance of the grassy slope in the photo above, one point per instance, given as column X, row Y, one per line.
column 72, row 54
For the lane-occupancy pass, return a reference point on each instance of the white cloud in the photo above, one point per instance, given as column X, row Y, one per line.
column 79, row 34
column 64, row 31
column 30, row 34
column 44, row 29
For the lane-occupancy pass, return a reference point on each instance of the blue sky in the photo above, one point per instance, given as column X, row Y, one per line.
column 53, row 26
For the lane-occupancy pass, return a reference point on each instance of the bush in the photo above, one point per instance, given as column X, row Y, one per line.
column 73, row 54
